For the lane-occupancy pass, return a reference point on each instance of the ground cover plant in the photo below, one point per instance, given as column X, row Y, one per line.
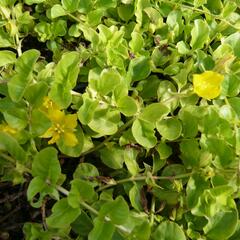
column 119, row 119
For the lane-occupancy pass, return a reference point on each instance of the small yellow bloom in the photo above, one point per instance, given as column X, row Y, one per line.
column 63, row 126
column 207, row 84
column 48, row 105
column 7, row 129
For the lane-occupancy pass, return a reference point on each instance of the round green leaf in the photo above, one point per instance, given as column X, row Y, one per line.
column 62, row 214
column 168, row 231
column 127, row 106
column 222, row 225
column 154, row 112
column 139, row 68
column 109, row 79
column 7, row 57
column 112, row 156
column 116, row 210
column 164, row 150
column 46, row 165
column 57, row 11
column 105, row 122
column 144, row 134
column 170, row 129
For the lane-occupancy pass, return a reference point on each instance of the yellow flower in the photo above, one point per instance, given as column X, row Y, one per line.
column 7, row 129
column 207, row 84
column 48, row 105
column 63, row 127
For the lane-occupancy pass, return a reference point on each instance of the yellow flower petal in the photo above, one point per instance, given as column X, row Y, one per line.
column 208, row 84
column 70, row 120
column 56, row 116
column 54, row 138
column 70, row 139
column 48, row 133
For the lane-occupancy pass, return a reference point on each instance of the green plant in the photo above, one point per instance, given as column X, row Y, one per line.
column 144, row 96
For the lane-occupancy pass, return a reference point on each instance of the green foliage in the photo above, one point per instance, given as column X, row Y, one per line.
column 106, row 122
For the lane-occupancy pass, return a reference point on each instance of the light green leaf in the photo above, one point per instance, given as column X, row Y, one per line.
column 144, row 134
column 135, row 197
column 130, row 159
column 5, row 39
column 39, row 123
column 125, row 12
column 214, row 6
column 30, row 2
column 10, row 145
column 142, row 231
column 35, row 93
column 101, row 230
column 59, row 28
column 80, row 191
column 43, row 30
column 234, row 40
column 38, row 189
column 190, row 152
column 170, row 128
column 199, row 33
column 117, row 210
column 82, row 225
column 61, row 94
column 112, row 156
column 57, row 11
column 139, row 68
column 46, row 165
column 168, row 231
column 66, row 74
column 154, row 112
column 105, row 122
column 199, row 3
column 182, row 47
column 189, row 122
column 94, row 17
column 62, row 214
column 70, row 5
column 164, row 150
column 195, row 187
column 127, row 106
column 77, row 149
column 105, row 4
column 137, row 42
column 85, row 171
column 16, row 117
column 222, row 225
column 23, row 76
column 67, row 69
column 7, row 57
column 225, row 155
column 171, row 197
column 109, row 79
column 35, row 187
